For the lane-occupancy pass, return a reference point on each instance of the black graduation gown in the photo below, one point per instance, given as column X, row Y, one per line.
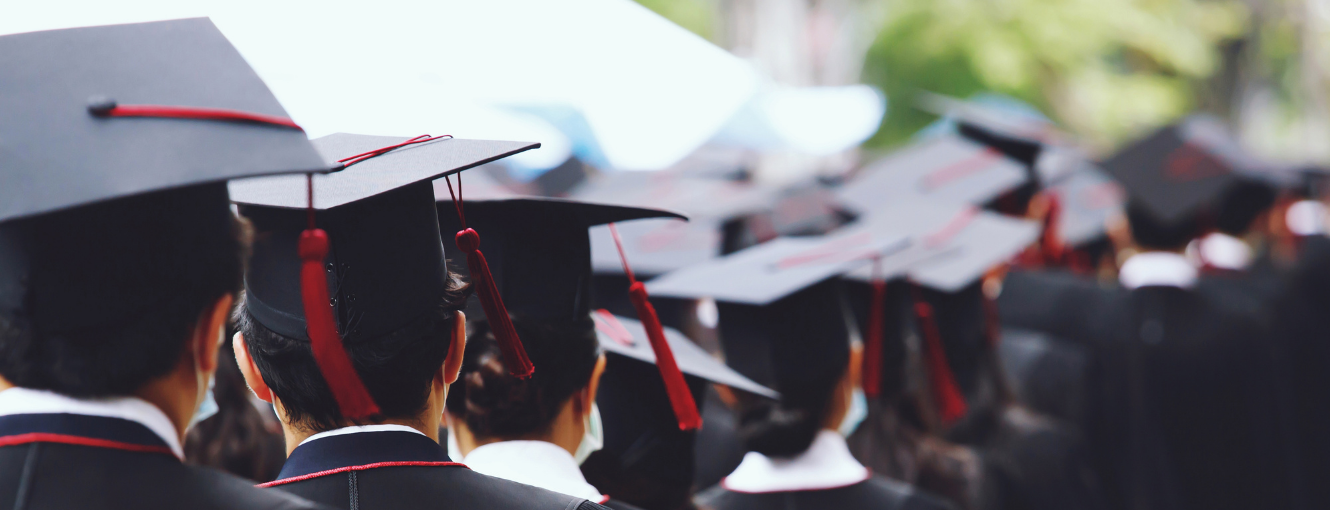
column 1178, row 390
column 402, row 471
column 64, row 461
column 875, row 493
column 1302, row 324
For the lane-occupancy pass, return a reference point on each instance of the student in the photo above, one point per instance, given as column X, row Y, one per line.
column 1181, row 407
column 783, row 323
column 396, row 304
column 120, row 258
column 537, row 431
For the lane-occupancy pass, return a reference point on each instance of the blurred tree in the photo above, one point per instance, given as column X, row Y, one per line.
column 697, row 16
column 1106, row 69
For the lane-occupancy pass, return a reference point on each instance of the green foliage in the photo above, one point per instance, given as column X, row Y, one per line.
column 1104, row 68
column 695, row 15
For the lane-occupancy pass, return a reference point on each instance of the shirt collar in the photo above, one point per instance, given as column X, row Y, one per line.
column 826, row 464
column 355, row 429
column 1224, row 251
column 537, row 463
column 361, row 447
column 15, row 401
column 1157, row 268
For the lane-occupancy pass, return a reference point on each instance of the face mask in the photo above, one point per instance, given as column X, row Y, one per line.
column 855, row 415
column 208, row 403
column 594, row 437
column 454, row 451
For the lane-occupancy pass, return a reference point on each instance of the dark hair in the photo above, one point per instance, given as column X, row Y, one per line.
column 808, row 348
column 396, row 368
column 497, row 405
column 99, row 300
column 1241, row 205
column 1152, row 233
column 239, row 439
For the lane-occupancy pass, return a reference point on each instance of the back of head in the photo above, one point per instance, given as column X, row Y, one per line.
column 1152, row 233
column 496, row 404
column 798, row 346
column 98, row 300
column 1241, row 205
column 397, row 368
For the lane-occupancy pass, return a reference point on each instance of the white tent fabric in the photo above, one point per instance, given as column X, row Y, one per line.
column 650, row 91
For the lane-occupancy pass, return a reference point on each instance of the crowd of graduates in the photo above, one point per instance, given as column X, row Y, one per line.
column 195, row 298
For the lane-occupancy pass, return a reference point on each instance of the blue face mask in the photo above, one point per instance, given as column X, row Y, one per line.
column 207, row 408
column 593, row 438
column 855, row 415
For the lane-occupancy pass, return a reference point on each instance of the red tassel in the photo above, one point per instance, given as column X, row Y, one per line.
column 946, row 393
column 1050, row 243
column 681, row 399
column 514, row 355
column 353, row 399
column 872, row 376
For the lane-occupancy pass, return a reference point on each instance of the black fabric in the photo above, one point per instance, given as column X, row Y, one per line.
column 718, row 449
column 36, row 476
column 615, row 504
column 93, row 427
column 875, row 493
column 1180, row 411
column 646, row 460
column 56, row 154
column 385, row 264
column 1301, row 323
column 333, row 452
column 407, row 487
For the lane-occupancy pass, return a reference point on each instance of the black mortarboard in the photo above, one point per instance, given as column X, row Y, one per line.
column 385, row 264
column 646, row 457
column 955, row 248
column 626, row 337
column 1183, row 169
column 945, row 168
column 660, row 246
column 539, row 249
column 61, row 145
column 1088, row 198
column 94, row 170
column 768, row 272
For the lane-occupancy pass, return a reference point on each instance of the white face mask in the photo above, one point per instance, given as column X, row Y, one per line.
column 207, row 402
column 855, row 415
column 594, row 437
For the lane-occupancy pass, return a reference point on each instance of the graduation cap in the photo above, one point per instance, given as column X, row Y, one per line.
column 945, row 168
column 99, row 113
column 1183, row 169
column 354, row 254
column 185, row 113
column 1088, row 198
column 626, row 337
column 952, row 247
column 543, row 266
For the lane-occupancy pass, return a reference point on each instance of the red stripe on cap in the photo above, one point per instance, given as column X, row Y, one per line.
column 612, row 327
column 836, row 251
column 47, row 437
column 953, row 227
column 1189, row 163
column 353, row 399
column 510, row 346
column 960, row 169
column 348, row 161
column 681, row 398
column 412, row 463
column 110, row 109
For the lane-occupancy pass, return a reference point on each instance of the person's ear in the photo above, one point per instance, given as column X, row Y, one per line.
column 589, row 394
column 209, row 333
column 452, row 365
column 249, row 370
column 855, row 371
